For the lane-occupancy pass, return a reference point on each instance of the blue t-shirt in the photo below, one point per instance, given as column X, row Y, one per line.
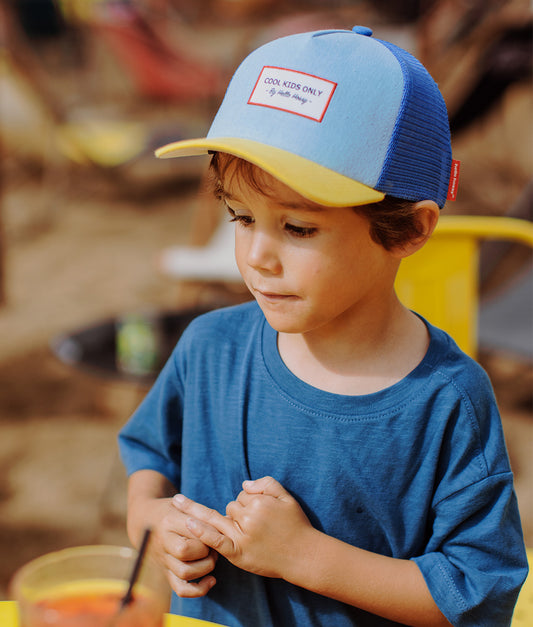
column 416, row 471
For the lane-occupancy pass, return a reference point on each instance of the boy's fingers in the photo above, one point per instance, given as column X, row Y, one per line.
column 191, row 590
column 265, row 485
column 186, row 549
column 206, row 515
column 210, row 536
column 194, row 570
column 234, row 508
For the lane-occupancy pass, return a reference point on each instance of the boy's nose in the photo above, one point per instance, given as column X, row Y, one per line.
column 262, row 253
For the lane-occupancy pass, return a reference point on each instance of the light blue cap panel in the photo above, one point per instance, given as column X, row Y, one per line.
column 337, row 115
column 350, row 133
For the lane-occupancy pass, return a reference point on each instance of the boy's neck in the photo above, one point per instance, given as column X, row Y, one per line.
column 360, row 358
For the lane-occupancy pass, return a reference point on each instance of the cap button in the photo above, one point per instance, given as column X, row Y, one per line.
column 362, row 30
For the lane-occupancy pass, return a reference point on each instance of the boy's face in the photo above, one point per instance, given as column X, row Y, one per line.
column 307, row 265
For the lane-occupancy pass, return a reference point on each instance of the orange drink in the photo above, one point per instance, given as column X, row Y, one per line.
column 83, row 587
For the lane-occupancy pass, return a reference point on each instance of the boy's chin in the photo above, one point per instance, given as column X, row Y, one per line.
column 282, row 323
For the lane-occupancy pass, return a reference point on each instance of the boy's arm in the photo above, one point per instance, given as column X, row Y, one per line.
column 389, row 587
column 172, row 545
column 149, row 495
column 266, row 532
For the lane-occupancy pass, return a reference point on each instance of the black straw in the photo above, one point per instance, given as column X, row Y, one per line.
column 128, row 597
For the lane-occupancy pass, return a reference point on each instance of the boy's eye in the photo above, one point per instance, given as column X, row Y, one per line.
column 294, row 230
column 300, row 231
column 243, row 219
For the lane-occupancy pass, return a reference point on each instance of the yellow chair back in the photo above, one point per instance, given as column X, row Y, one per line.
column 440, row 281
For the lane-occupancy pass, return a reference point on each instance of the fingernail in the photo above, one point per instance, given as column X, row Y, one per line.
column 179, row 499
column 192, row 524
column 247, row 483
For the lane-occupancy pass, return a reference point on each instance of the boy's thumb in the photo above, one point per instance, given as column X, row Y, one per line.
column 265, row 485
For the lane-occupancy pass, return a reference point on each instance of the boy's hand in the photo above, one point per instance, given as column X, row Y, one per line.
column 187, row 560
column 264, row 530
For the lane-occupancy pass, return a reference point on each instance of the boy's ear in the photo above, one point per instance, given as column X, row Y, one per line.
column 427, row 217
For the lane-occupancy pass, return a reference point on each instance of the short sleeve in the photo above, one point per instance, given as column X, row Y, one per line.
column 151, row 439
column 475, row 561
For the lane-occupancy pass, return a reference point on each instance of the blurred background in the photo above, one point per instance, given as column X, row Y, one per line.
column 91, row 223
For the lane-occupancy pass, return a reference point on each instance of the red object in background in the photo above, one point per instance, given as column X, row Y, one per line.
column 159, row 71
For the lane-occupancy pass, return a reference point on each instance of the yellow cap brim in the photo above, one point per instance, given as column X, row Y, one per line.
column 311, row 180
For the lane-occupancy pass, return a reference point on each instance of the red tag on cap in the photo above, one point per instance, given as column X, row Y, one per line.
column 454, row 180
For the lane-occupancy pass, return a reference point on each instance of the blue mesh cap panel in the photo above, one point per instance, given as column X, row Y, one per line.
column 418, row 162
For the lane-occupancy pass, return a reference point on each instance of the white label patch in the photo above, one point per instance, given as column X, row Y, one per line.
column 293, row 91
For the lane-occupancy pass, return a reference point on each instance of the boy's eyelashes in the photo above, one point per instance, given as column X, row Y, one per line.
column 300, row 231
column 293, row 229
column 242, row 218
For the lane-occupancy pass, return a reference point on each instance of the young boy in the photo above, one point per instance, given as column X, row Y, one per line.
column 339, row 460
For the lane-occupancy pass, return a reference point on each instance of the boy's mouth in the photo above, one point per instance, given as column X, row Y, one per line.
column 273, row 297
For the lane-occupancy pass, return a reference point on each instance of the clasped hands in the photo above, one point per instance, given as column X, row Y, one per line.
column 264, row 532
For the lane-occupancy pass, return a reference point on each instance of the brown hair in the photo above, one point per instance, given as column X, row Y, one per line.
column 393, row 221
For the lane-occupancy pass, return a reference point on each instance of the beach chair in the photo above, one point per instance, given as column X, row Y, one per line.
column 159, row 71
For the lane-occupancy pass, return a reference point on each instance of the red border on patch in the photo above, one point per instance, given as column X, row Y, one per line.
column 309, row 117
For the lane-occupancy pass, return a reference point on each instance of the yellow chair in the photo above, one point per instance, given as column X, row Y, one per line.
column 441, row 280
column 9, row 614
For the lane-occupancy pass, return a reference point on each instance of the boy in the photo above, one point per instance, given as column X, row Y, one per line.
column 340, row 461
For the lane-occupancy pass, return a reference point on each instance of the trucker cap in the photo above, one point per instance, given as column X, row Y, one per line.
column 337, row 115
